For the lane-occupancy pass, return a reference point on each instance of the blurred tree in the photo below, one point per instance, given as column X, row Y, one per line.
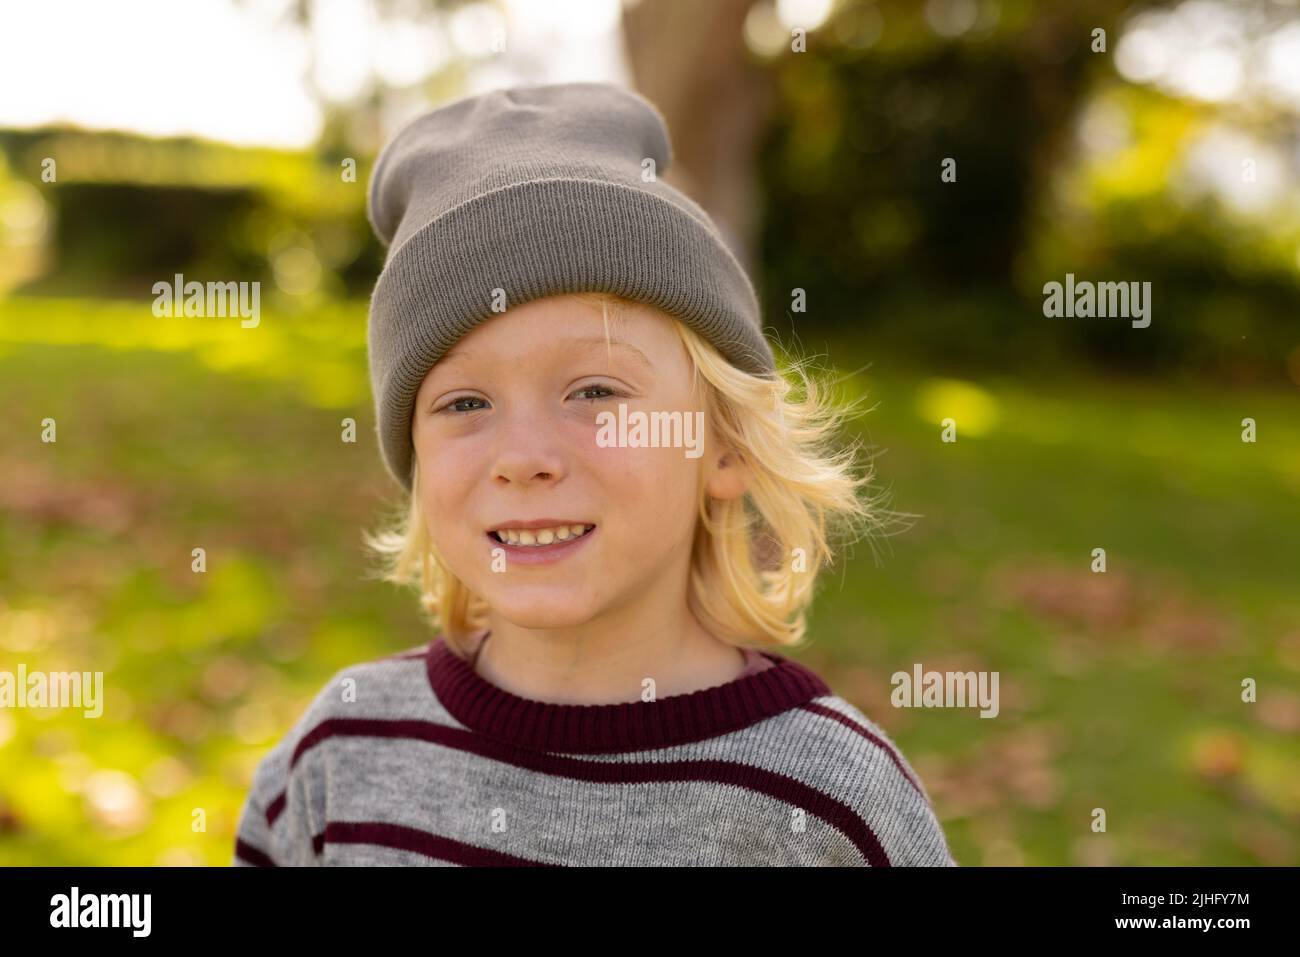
column 856, row 213
column 691, row 61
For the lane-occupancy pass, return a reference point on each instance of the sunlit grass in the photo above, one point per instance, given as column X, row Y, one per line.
column 1120, row 690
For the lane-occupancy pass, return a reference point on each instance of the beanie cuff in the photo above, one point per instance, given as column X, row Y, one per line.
column 543, row 238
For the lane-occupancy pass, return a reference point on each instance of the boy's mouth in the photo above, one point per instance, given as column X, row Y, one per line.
column 539, row 534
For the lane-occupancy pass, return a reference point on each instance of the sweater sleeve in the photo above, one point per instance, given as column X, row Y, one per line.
column 276, row 822
column 920, row 840
column 905, row 830
column 893, row 800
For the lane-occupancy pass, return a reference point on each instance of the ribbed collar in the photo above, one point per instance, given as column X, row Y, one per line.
column 610, row 728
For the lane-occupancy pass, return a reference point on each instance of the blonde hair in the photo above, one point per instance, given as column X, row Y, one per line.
column 754, row 559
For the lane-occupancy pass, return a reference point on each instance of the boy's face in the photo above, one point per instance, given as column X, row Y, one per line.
column 506, row 434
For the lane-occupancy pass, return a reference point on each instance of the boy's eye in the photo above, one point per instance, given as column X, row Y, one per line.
column 452, row 405
column 596, row 387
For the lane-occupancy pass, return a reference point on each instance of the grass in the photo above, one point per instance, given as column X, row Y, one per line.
column 1120, row 692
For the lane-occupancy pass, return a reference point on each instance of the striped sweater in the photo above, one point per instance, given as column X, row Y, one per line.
column 416, row 759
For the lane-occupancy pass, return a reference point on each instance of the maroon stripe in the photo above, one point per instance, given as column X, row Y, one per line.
column 247, row 852
column 275, row 808
column 779, row 786
column 873, row 738
column 420, row 842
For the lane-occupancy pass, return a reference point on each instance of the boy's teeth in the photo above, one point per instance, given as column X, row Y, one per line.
column 541, row 536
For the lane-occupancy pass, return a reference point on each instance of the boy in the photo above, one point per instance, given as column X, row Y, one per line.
column 603, row 687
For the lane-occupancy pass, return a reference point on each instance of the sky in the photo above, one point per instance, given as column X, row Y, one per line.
column 238, row 71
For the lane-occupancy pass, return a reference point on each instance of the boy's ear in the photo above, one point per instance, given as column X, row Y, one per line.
column 727, row 477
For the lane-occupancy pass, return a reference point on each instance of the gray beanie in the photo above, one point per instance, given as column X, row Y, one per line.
column 536, row 191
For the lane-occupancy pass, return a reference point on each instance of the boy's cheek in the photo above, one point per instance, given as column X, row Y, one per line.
column 666, row 473
column 644, row 465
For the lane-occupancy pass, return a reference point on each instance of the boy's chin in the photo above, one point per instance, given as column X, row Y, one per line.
column 543, row 611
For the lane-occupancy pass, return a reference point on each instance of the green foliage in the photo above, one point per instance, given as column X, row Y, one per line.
column 1060, row 166
column 124, row 212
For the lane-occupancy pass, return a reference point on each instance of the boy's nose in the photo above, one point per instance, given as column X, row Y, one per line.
column 527, row 451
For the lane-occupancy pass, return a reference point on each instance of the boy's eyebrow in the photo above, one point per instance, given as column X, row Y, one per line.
column 586, row 341
column 602, row 341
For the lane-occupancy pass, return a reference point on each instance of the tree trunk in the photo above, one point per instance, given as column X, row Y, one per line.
column 689, row 59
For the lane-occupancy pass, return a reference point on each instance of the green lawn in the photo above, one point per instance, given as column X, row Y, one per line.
column 1119, row 691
